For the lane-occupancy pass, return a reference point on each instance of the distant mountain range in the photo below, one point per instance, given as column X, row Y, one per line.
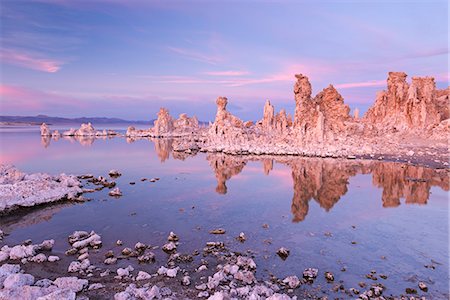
column 39, row 119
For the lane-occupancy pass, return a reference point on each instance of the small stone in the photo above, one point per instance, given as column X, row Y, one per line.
column 241, row 238
column 217, row 231
column 127, row 251
column 109, row 254
column 202, row 268
column 292, row 281
column 40, row 258
column 283, row 253
column 74, row 267
column 186, row 280
column 147, row 257
column 143, row 276
column 83, row 256
column 95, row 286
column 329, row 276
column 203, row 294
column 110, row 261
column 115, row 192
column 119, row 243
column 44, row 283
column 140, row 246
column 310, row 273
column 169, row 247
column 53, row 258
column 201, row 287
column 411, row 291
column 114, row 173
column 423, row 286
column 172, row 237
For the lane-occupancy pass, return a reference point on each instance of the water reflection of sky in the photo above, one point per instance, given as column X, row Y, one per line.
column 299, row 198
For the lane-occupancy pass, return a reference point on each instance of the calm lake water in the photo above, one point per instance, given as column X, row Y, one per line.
column 395, row 215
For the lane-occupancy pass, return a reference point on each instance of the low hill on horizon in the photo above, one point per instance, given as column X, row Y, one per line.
column 39, row 119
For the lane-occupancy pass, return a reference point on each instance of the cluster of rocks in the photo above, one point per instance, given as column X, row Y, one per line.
column 221, row 274
column 18, row 189
column 166, row 126
column 81, row 242
column 18, row 285
column 85, row 130
column 27, row 252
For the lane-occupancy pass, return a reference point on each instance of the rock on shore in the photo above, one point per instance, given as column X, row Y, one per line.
column 18, row 189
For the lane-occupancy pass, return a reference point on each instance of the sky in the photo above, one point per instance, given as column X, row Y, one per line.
column 126, row 59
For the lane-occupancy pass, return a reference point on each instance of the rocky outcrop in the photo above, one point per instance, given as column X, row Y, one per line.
column 272, row 123
column 166, row 126
column 87, row 130
column 403, row 107
column 320, row 118
column 18, row 189
column 227, row 129
column 443, row 103
column 45, row 131
column 268, row 120
column 163, row 124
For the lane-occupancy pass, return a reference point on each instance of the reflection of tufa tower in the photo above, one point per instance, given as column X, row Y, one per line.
column 224, row 168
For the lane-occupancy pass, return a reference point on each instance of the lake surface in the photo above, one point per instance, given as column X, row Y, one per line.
column 345, row 216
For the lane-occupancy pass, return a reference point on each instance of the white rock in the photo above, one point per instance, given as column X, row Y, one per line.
column 73, row 283
column 47, row 245
column 18, row 280
column 43, row 283
column 95, row 286
column 292, row 281
column 143, row 276
column 40, row 258
column 32, row 189
column 53, row 258
column 74, row 267
column 61, row 294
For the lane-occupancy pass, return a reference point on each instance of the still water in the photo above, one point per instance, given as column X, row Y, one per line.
column 345, row 216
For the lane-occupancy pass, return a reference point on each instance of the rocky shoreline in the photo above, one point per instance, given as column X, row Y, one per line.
column 32, row 271
column 18, row 189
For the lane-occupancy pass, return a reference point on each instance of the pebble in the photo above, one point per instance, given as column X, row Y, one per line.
column 241, row 238
column 283, row 253
column 115, row 192
column 329, row 276
column 217, row 231
column 172, row 237
column 143, row 276
column 423, row 286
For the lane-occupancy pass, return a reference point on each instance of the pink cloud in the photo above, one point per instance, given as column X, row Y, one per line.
column 227, row 73
column 30, row 61
column 18, row 98
column 360, row 84
column 194, row 55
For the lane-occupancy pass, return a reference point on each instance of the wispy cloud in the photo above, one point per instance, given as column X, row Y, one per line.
column 227, row 73
column 197, row 56
column 360, row 84
column 29, row 61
